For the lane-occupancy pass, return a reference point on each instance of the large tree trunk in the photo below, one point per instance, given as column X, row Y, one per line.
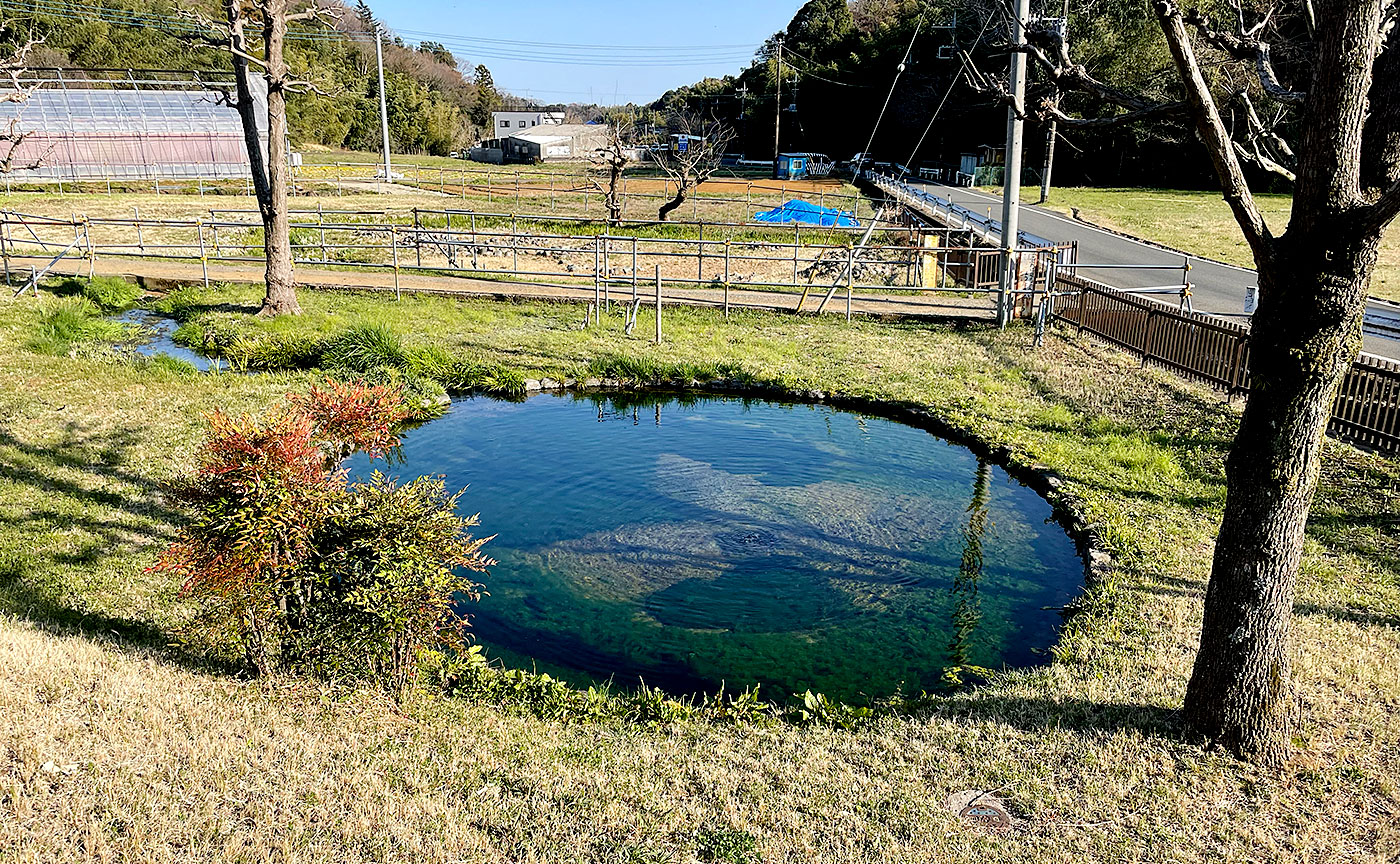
column 281, row 297
column 267, row 158
column 1240, row 696
column 1312, row 285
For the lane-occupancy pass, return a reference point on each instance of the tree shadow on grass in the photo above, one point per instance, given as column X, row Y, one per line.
column 77, row 512
column 1046, row 714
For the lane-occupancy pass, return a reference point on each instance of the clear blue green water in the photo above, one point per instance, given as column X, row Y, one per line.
column 716, row 540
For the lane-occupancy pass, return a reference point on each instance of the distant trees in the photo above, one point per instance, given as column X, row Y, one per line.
column 438, row 52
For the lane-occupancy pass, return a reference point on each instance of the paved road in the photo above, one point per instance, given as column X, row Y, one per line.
column 1218, row 289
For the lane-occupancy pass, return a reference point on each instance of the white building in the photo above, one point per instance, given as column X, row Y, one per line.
column 507, row 123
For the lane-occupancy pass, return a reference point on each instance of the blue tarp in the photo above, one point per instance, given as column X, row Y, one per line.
column 808, row 214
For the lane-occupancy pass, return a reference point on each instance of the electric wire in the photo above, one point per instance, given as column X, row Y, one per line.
column 944, row 101
column 898, row 71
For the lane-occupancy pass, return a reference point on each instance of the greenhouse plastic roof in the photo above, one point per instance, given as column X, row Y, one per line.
column 56, row 111
column 807, row 213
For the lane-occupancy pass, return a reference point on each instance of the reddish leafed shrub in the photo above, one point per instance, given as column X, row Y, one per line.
column 350, row 417
column 288, row 562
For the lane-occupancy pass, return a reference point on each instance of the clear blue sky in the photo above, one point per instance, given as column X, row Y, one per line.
column 637, row 49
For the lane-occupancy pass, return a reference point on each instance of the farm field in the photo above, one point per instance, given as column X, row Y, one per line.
column 122, row 744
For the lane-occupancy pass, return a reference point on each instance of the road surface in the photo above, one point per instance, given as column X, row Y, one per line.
column 1218, row 289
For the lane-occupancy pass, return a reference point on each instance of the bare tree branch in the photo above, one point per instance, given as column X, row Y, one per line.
column 1213, row 132
column 700, row 146
column 1245, row 45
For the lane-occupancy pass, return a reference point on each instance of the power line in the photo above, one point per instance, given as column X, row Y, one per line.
column 898, row 71
column 946, row 93
column 479, row 47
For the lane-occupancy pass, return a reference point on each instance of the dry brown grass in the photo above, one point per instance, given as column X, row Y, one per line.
column 157, row 757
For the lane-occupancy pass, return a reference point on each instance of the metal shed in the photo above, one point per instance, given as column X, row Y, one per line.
column 92, row 127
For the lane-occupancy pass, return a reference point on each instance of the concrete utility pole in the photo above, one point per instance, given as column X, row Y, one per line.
column 778, row 113
column 1052, row 128
column 383, row 103
column 743, row 92
column 1011, row 182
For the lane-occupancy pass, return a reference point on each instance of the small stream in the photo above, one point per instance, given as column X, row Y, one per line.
column 157, row 337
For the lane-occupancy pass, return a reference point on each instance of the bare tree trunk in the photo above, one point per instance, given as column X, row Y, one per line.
column 614, row 199
column 673, row 204
column 281, row 298
column 267, row 159
column 1313, row 282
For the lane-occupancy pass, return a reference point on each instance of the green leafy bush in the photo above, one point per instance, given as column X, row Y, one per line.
column 386, row 583
column 366, row 347
column 180, row 304
column 170, row 365
column 108, row 293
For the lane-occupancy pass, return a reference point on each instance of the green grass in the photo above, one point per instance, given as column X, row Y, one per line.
column 1199, row 223
column 171, row 758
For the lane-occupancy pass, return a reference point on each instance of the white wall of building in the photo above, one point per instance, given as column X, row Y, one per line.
column 507, row 123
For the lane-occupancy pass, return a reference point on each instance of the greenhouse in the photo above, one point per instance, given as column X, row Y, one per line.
column 94, row 129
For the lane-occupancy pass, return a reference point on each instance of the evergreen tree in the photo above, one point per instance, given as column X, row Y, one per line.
column 488, row 98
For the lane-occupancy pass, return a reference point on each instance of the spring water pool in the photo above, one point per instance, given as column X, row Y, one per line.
column 693, row 541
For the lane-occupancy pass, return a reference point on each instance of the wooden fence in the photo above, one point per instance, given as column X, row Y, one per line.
column 1216, row 352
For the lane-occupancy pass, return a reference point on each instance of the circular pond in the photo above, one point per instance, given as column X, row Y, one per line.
column 691, row 542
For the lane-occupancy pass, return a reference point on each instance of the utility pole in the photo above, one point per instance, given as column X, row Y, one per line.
column 1011, row 182
column 743, row 92
column 778, row 112
column 1051, row 129
column 383, row 103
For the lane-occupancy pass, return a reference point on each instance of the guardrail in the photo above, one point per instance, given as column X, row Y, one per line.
column 912, row 270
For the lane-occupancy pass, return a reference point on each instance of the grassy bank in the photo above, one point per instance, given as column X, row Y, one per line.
column 119, row 747
column 1197, row 222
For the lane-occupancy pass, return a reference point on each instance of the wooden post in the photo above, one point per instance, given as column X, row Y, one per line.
column 607, row 294
column 517, row 189
column 203, row 255
column 850, row 279
column 634, row 268
column 514, row 248
column 417, row 237
column 796, row 239
column 553, row 203
column 658, row 304
column 597, row 282
column 726, row 278
column 91, row 252
column 394, row 245
column 5, row 246
column 140, row 243
column 700, row 257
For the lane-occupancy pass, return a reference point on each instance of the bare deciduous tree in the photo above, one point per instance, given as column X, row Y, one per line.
column 1313, row 281
column 612, row 158
column 13, row 67
column 693, row 158
column 254, row 33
